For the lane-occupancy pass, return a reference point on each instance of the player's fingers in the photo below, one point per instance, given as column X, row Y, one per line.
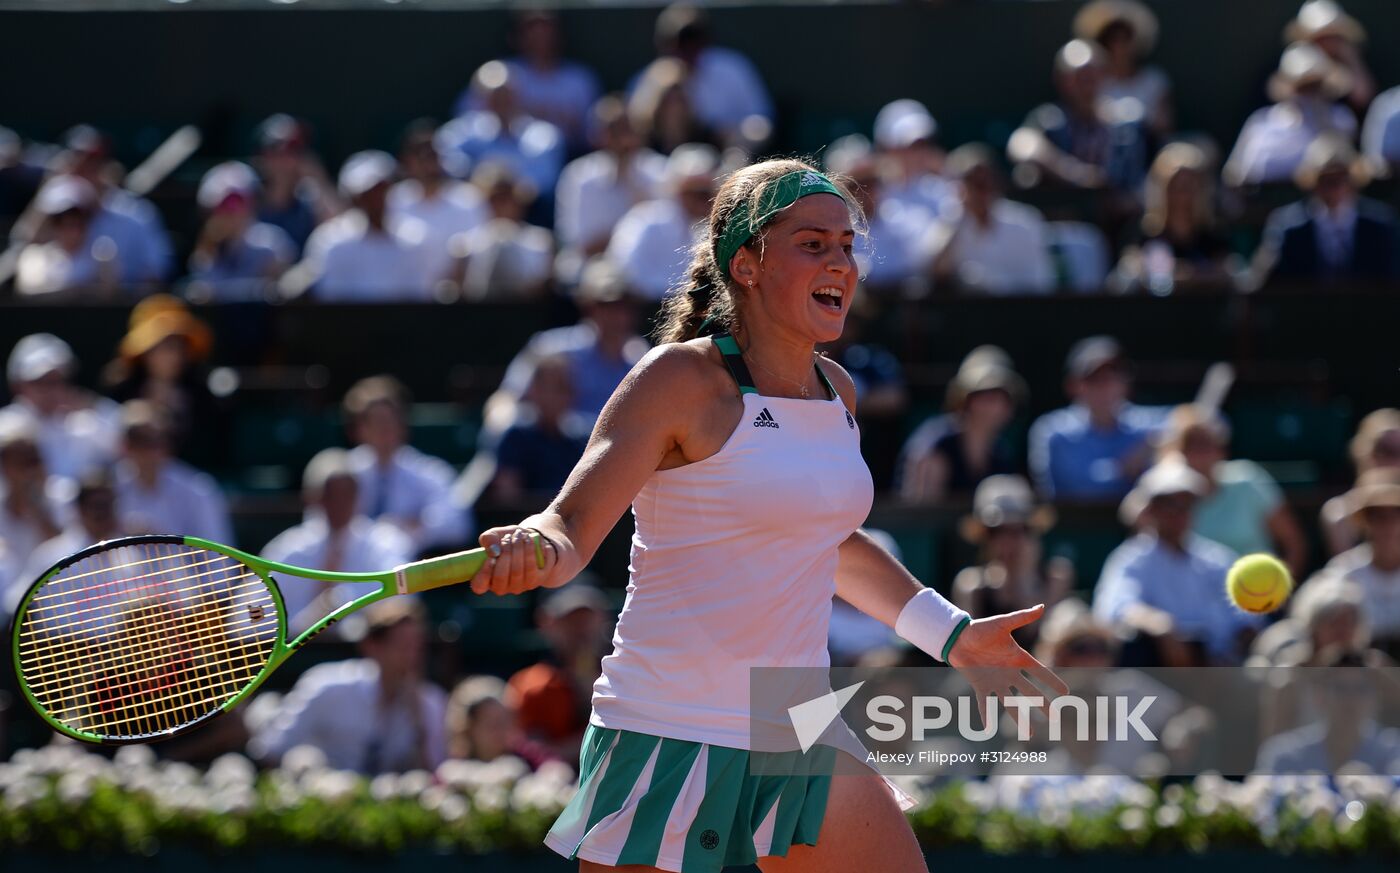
column 500, row 574
column 984, row 702
column 1019, row 618
column 1044, row 676
column 522, row 562
column 490, row 540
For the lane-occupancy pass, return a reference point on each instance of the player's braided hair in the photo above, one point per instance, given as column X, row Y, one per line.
column 709, row 294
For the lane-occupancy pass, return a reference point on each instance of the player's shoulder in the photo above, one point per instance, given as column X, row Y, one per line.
column 840, row 380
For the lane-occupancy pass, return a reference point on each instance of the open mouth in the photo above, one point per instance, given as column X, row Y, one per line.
column 830, row 298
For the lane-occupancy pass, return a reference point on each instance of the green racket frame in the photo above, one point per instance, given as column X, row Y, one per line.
column 410, row 578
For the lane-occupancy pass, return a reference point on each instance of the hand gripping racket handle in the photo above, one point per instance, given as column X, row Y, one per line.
column 449, row 569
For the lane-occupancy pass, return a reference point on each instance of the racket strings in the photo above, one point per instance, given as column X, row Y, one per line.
column 146, row 652
column 62, row 671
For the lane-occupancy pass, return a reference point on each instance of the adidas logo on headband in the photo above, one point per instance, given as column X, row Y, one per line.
column 809, row 179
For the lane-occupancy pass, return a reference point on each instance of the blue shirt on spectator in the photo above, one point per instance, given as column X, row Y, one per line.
column 297, row 219
column 1189, row 586
column 543, row 459
column 534, row 149
column 594, row 375
column 1070, row 458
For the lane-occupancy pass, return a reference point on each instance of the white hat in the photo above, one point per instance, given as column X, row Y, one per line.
column 63, row 193
column 903, row 123
column 38, row 355
column 224, row 180
column 692, row 160
column 364, row 170
column 1169, row 476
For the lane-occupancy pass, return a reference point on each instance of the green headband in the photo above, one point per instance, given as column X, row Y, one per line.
column 777, row 196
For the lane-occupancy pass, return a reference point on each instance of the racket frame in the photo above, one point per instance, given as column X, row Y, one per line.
column 405, row 579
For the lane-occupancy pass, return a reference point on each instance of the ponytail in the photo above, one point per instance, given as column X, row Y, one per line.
column 699, row 307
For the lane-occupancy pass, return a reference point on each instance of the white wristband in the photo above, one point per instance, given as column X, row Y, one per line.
column 931, row 623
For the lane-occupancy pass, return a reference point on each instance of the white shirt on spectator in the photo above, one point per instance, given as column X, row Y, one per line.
column 339, row 708
column 593, row 195
column 1380, row 135
column 183, row 501
column 892, row 249
column 355, row 265
column 363, row 546
column 506, row 259
column 1381, row 588
column 20, row 535
column 456, row 209
column 925, row 193
column 413, row 487
column 74, row 442
column 1010, row 256
column 1273, row 140
column 561, row 95
column 725, row 88
column 74, row 538
column 651, row 246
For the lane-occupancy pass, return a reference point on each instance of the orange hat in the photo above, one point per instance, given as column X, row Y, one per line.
column 149, row 329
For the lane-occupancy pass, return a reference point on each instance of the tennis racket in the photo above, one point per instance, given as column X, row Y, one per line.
column 142, row 638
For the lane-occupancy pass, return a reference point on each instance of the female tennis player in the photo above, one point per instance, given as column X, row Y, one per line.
column 740, row 457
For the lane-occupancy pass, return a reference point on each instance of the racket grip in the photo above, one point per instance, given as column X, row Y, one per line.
column 447, row 570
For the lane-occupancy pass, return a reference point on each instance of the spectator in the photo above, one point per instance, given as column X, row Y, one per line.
column 157, row 494
column 889, row 251
column 445, row 208
column 1376, row 444
column 398, row 484
column 161, row 359
column 724, row 87
column 1127, row 31
column 1082, row 140
column 985, row 243
column 1094, row 448
column 951, row 454
column 596, row 190
column 77, row 429
column 334, row 536
column 297, row 194
column 1375, row 564
column 549, row 87
column 374, row 714
column 1006, row 525
column 537, row 452
column 20, row 178
column 1305, row 91
column 1327, row 611
column 357, row 256
column 601, row 348
column 31, row 501
column 1242, row 507
column 236, row 256
column 132, row 222
column 661, row 110
column 481, row 726
column 1326, row 25
column 501, row 130
column 1083, row 651
column 1182, row 243
column 66, row 258
column 653, row 241
column 551, row 697
column 1335, row 235
column 506, row 258
column 1164, row 589
column 1345, row 734
column 906, row 133
column 93, row 520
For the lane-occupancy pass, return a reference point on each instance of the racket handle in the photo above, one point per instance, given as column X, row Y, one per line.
column 448, row 570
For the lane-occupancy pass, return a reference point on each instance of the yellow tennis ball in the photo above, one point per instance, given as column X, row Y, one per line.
column 1259, row 583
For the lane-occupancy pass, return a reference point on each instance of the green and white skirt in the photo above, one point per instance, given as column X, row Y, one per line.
column 689, row 807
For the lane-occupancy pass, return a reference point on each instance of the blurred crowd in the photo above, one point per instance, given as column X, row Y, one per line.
column 541, row 185
column 537, row 171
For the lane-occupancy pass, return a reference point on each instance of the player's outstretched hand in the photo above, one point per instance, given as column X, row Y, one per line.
column 995, row 664
column 513, row 564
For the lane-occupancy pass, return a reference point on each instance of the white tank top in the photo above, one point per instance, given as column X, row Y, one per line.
column 733, row 566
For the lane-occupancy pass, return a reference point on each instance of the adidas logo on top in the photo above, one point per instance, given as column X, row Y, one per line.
column 810, row 179
column 764, row 419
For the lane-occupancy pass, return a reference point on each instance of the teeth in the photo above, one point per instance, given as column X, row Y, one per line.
column 829, row 292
